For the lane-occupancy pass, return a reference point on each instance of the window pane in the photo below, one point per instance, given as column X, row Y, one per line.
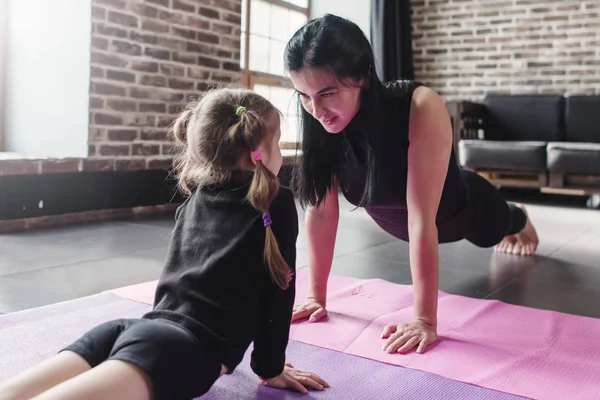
column 243, row 50
column 299, row 3
column 259, row 54
column 279, row 23
column 286, row 102
column 244, row 8
column 260, row 18
column 276, row 58
column 295, row 21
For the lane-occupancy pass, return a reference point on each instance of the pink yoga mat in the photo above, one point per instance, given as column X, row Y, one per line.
column 527, row 352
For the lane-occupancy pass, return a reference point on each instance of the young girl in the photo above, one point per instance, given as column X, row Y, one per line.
column 228, row 280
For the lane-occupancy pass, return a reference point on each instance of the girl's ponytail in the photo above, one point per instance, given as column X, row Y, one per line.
column 263, row 190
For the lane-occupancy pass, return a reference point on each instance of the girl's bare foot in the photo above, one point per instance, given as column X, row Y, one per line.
column 524, row 243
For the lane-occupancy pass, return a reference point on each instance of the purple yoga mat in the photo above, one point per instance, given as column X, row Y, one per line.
column 31, row 336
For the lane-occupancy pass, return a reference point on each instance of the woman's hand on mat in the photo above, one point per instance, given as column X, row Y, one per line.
column 403, row 337
column 295, row 379
column 312, row 309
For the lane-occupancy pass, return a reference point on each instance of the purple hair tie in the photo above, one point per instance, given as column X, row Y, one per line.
column 267, row 219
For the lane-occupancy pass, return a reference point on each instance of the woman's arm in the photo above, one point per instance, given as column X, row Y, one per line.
column 430, row 136
column 321, row 230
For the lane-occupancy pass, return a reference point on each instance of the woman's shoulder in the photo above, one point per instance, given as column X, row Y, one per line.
column 401, row 88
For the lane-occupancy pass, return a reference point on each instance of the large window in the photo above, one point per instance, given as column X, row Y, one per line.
column 267, row 25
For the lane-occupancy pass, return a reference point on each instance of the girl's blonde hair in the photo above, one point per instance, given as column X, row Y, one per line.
column 215, row 136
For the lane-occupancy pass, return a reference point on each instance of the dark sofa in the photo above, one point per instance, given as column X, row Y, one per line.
column 550, row 142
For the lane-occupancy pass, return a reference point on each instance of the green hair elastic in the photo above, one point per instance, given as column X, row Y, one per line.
column 240, row 110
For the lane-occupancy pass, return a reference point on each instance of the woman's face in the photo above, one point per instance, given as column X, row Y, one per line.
column 328, row 100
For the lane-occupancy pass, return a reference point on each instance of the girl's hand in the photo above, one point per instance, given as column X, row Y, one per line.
column 312, row 309
column 295, row 379
column 403, row 337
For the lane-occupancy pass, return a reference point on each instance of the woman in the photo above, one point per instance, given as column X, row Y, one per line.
column 389, row 148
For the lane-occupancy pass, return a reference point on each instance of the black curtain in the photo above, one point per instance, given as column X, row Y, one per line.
column 391, row 39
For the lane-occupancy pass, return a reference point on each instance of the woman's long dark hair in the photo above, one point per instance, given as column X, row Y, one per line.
column 340, row 46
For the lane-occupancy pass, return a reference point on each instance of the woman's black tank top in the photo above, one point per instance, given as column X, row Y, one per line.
column 388, row 205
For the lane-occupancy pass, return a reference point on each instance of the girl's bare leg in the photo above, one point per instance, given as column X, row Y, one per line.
column 63, row 366
column 111, row 380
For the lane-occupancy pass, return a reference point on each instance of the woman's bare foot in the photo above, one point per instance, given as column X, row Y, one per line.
column 524, row 243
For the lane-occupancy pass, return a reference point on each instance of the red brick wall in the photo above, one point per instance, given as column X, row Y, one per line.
column 148, row 57
column 467, row 48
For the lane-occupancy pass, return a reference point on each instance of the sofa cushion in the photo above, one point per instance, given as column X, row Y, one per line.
column 582, row 119
column 574, row 158
column 519, row 155
column 524, row 117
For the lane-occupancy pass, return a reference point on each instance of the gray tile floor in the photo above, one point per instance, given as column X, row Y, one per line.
column 54, row 265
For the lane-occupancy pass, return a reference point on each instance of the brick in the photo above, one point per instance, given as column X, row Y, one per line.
column 159, row 54
column 145, row 66
column 92, row 151
column 119, row 18
column 122, row 47
column 120, row 76
column 181, row 84
column 209, row 12
column 110, row 31
column 121, row 105
column 207, row 37
column 96, row 103
column 153, row 107
column 142, row 38
column 168, row 149
column 153, row 134
column 110, row 60
column 175, row 108
column 98, row 164
column 97, row 134
column 222, row 29
column 155, row 26
column 184, row 33
column 130, row 165
column 161, row 164
column 119, row 4
column 114, row 150
column 98, row 13
column 108, row 89
column 172, row 17
column 184, row 58
column 107, row 119
column 202, row 86
column 230, row 43
column 58, row 166
column 97, row 72
column 201, row 48
column 164, row 122
column 170, row 96
column 234, row 19
column 141, row 149
column 172, row 44
column 122, row 135
column 180, row 5
column 99, row 43
column 151, row 80
column 145, row 10
column 19, row 167
column 139, row 120
column 234, row 6
column 138, row 93
column 172, row 70
column 224, row 53
column 208, row 62
column 198, row 23
column 164, row 3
